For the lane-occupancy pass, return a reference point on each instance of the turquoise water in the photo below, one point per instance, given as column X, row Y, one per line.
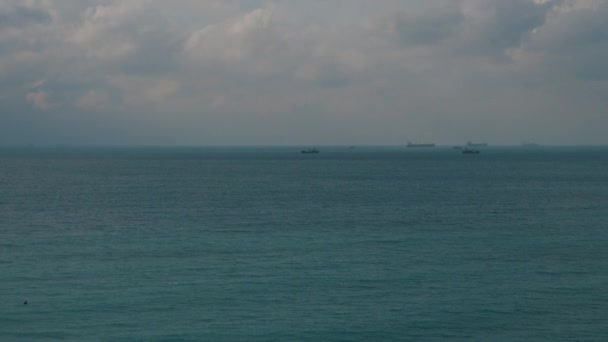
column 267, row 244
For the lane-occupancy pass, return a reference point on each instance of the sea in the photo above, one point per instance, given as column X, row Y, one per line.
column 362, row 243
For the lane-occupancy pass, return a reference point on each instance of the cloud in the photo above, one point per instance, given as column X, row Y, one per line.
column 427, row 28
column 495, row 26
column 574, row 40
column 262, row 71
column 17, row 15
column 256, row 43
column 40, row 99
column 94, row 100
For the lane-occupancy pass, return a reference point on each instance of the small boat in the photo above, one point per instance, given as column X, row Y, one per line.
column 470, row 151
column 310, row 150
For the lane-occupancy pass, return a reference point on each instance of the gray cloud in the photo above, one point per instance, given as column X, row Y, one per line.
column 425, row 28
column 293, row 72
column 18, row 16
column 496, row 26
column 574, row 40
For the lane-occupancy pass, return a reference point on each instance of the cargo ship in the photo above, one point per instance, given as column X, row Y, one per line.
column 310, row 150
column 411, row 144
column 472, row 144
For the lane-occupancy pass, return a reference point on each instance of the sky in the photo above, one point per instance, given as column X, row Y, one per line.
column 296, row 72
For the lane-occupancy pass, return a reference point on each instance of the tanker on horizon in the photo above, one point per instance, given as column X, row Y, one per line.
column 472, row 144
column 411, row 144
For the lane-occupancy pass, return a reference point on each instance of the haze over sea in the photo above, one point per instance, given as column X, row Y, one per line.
column 268, row 244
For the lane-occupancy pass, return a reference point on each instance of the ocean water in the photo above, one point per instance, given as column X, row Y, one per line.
column 267, row 244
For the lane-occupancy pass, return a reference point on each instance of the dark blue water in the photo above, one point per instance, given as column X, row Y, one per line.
column 267, row 244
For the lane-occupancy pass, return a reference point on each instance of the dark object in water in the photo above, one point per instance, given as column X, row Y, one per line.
column 470, row 151
column 310, row 150
column 25, row 303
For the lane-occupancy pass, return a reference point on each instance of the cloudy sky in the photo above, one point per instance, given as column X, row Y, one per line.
column 299, row 72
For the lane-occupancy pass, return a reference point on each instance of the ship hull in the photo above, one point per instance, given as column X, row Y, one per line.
column 420, row 145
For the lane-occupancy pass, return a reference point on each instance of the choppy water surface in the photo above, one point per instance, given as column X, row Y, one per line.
column 267, row 244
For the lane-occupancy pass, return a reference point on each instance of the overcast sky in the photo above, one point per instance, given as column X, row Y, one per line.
column 300, row 72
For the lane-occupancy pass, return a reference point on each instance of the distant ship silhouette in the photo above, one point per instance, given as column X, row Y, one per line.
column 411, row 144
column 310, row 150
column 472, row 144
